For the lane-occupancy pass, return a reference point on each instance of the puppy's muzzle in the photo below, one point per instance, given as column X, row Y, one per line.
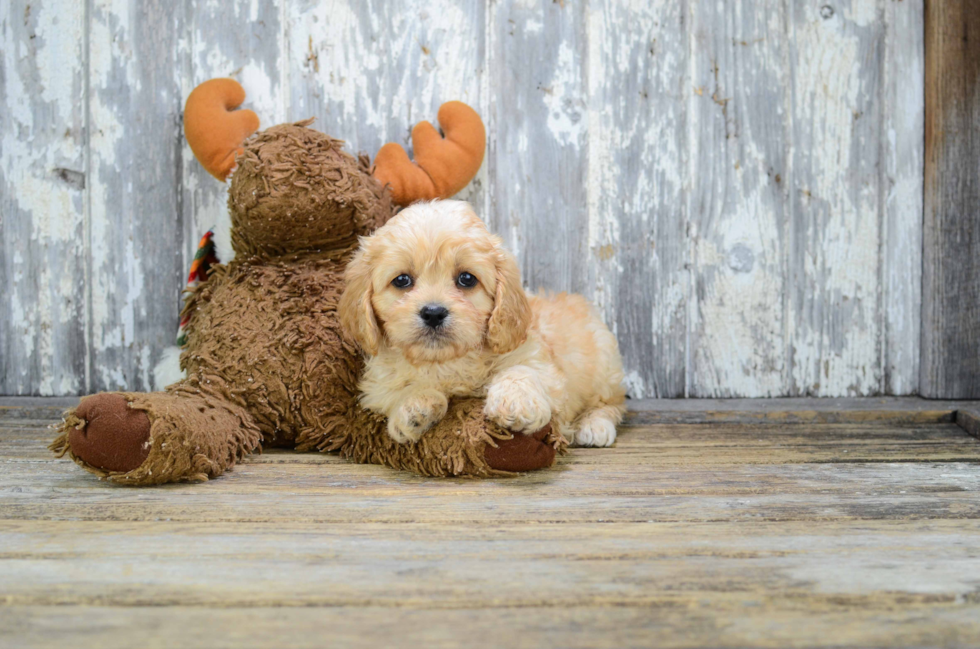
column 433, row 315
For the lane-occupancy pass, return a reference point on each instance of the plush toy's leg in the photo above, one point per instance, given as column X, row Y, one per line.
column 142, row 439
column 524, row 452
column 463, row 443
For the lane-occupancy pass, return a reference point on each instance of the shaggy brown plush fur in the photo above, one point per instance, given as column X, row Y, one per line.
column 266, row 359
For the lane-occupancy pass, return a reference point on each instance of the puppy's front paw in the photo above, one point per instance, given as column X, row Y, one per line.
column 516, row 406
column 416, row 415
column 595, row 431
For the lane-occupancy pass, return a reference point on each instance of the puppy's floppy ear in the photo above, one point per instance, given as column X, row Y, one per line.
column 355, row 309
column 511, row 315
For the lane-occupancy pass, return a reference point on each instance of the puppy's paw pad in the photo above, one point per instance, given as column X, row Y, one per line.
column 596, row 432
column 517, row 409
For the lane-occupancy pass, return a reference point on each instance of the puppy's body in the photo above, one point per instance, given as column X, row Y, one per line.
column 568, row 369
column 535, row 359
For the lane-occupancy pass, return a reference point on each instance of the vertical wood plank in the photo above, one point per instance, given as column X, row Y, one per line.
column 538, row 148
column 637, row 242
column 134, row 104
column 42, row 190
column 740, row 203
column 902, row 143
column 244, row 42
column 950, row 360
column 833, row 318
column 368, row 71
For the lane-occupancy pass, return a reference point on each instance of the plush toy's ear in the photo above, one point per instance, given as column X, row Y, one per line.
column 214, row 129
column 442, row 166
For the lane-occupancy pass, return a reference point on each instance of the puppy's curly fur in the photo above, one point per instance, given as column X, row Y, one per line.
column 436, row 303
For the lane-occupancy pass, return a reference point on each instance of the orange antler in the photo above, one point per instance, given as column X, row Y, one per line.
column 442, row 166
column 214, row 129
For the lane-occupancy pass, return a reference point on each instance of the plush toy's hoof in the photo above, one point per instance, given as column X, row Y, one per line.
column 521, row 452
column 114, row 437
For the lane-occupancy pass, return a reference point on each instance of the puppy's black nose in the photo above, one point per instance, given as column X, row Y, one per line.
column 433, row 314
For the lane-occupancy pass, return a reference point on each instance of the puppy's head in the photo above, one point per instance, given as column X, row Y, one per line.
column 435, row 284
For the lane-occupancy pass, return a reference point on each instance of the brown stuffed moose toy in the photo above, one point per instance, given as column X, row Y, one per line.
column 266, row 361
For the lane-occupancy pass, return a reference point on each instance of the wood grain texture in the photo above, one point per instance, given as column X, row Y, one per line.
column 835, row 228
column 951, row 239
column 658, row 473
column 969, row 420
column 799, row 410
column 901, row 195
column 134, row 104
column 739, row 206
column 456, row 567
column 281, row 493
column 638, row 143
column 728, row 535
column 369, row 71
column 700, row 624
column 43, row 215
column 539, row 123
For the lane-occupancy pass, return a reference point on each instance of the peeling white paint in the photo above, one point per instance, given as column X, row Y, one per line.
column 635, row 183
column 41, row 173
column 112, row 319
column 837, row 352
column 902, row 222
column 566, row 118
column 369, row 75
column 739, row 347
column 334, row 50
column 862, row 12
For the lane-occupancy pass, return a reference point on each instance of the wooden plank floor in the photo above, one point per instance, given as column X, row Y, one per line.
column 772, row 524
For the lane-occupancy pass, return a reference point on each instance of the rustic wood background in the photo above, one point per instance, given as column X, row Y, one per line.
column 738, row 185
column 950, row 364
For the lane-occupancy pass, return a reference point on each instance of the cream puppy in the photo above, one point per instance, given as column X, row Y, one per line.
column 436, row 303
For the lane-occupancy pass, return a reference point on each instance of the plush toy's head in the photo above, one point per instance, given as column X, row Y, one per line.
column 294, row 189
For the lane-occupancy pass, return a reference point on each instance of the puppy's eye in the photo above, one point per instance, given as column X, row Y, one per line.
column 466, row 280
column 402, row 281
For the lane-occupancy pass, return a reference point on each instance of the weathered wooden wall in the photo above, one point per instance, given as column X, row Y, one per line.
column 737, row 185
column 951, row 273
